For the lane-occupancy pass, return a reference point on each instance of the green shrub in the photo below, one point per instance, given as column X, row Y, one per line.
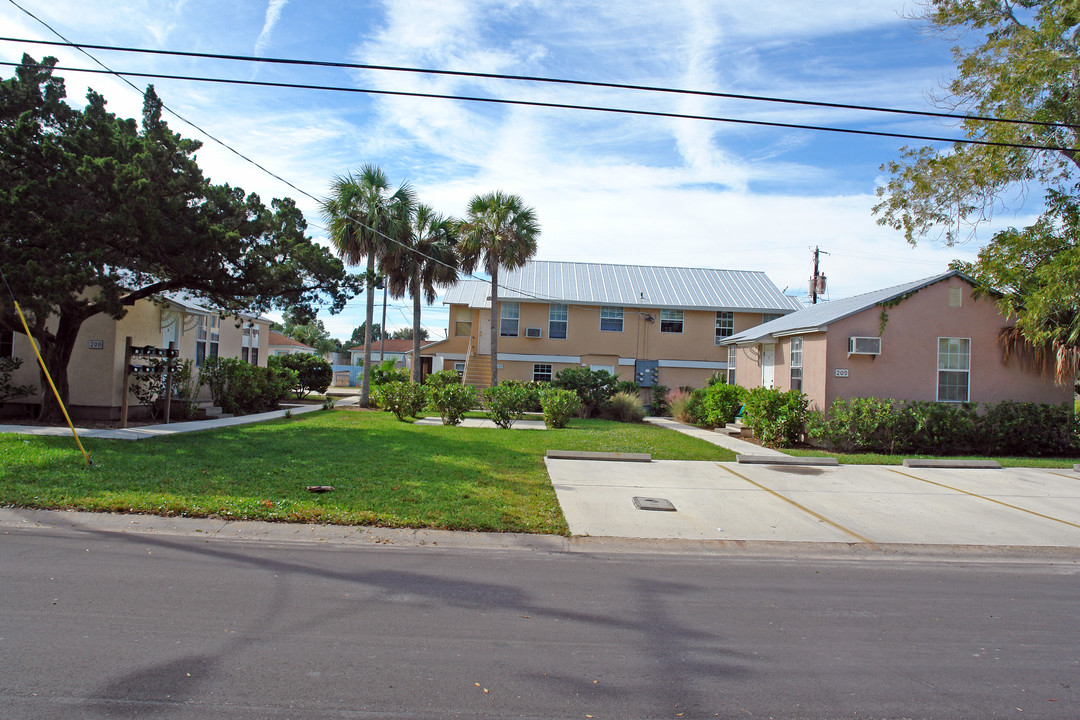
column 721, row 403
column 661, row 406
column 9, row 365
column 627, row 386
column 678, row 402
column 939, row 428
column 1038, row 429
column 532, row 390
column 859, row 425
column 695, row 413
column 387, row 371
column 313, row 374
column 559, row 406
column 452, row 401
column 625, row 407
column 241, row 388
column 507, row 402
column 149, row 388
column 594, row 388
column 442, row 378
column 778, row 418
column 404, row 399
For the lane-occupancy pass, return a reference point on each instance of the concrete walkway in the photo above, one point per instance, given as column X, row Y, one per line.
column 145, row 432
column 724, row 440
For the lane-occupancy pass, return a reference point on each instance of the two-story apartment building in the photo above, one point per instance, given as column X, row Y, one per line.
column 649, row 324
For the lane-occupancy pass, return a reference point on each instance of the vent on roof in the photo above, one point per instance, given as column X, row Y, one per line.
column 532, row 332
column 863, row 346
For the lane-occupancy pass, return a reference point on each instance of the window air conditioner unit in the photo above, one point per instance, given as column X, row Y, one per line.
column 864, row 346
column 532, row 332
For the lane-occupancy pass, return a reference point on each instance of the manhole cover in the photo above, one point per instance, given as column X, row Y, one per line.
column 644, row 503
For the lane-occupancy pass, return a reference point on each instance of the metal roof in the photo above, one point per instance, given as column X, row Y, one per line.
column 629, row 286
column 816, row 317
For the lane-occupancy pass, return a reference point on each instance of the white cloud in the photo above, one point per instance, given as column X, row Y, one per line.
column 273, row 14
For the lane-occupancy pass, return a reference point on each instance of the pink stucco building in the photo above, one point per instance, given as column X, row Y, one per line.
column 924, row 340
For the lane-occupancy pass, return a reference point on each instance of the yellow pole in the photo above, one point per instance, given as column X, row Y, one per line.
column 51, row 384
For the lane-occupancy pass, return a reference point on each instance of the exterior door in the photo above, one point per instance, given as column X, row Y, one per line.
column 768, row 361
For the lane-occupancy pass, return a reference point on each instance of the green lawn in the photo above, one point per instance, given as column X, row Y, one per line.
column 384, row 472
column 874, row 459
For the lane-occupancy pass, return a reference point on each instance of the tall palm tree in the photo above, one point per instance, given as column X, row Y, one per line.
column 365, row 219
column 428, row 260
column 499, row 232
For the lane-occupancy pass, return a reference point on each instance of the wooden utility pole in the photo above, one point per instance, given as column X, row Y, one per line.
column 817, row 283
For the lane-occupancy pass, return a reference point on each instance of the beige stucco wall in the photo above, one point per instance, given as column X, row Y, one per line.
column 586, row 344
column 907, row 366
column 95, row 375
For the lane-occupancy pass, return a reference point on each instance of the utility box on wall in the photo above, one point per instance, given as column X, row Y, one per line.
column 646, row 372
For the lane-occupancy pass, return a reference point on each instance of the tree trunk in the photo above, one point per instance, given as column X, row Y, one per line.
column 495, row 318
column 416, row 324
column 57, row 354
column 365, row 379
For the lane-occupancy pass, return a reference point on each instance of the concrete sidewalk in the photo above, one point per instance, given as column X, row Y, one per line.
column 145, row 432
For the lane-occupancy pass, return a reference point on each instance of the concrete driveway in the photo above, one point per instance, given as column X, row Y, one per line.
column 845, row 504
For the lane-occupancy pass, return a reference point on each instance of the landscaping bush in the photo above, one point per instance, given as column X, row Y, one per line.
column 387, row 371
column 661, row 406
column 594, row 388
column 559, row 406
column 1038, row 429
column 313, row 374
column 404, row 399
column 939, row 428
column 858, row 425
column 149, row 388
column 627, row 386
column 241, row 388
column 532, row 390
column 507, row 402
column 721, row 403
column 8, row 365
column 448, row 397
column 442, row 378
column 778, row 418
column 625, row 407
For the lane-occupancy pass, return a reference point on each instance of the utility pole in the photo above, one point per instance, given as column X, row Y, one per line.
column 817, row 283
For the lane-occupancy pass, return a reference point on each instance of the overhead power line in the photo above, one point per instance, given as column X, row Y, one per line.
column 537, row 79
column 550, row 105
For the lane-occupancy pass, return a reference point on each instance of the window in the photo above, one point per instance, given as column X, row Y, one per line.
column 671, row 321
column 207, row 335
column 731, row 353
column 7, row 343
column 541, row 372
column 509, row 315
column 796, row 363
column 725, row 325
column 462, row 322
column 249, row 344
column 769, row 317
column 244, row 354
column 611, row 319
column 459, row 367
column 254, row 356
column 557, row 320
column 954, row 369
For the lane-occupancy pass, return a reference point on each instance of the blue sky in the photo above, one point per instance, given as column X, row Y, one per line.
column 606, row 188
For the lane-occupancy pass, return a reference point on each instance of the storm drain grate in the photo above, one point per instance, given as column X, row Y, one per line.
column 644, row 503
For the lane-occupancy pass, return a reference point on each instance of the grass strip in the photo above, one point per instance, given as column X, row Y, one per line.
column 384, row 472
column 876, row 459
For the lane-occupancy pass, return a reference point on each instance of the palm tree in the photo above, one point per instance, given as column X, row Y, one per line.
column 499, row 232
column 427, row 260
column 365, row 219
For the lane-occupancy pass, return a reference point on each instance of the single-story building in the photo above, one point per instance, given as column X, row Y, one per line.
column 648, row 324
column 96, row 369
column 930, row 339
column 283, row 345
column 389, row 349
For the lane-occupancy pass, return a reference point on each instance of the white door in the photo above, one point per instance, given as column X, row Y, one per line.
column 768, row 360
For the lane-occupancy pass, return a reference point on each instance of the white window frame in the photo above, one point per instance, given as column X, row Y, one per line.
column 509, row 312
column 961, row 359
column 672, row 317
column 732, row 353
column 725, row 325
column 539, row 371
column 207, row 337
column 612, row 316
column 462, row 322
column 555, row 321
column 796, row 362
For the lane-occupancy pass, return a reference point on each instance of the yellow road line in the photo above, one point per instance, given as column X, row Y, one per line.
column 805, row 509
column 1067, row 477
column 983, row 497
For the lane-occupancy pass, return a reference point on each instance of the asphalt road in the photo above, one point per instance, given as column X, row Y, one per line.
column 102, row 624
